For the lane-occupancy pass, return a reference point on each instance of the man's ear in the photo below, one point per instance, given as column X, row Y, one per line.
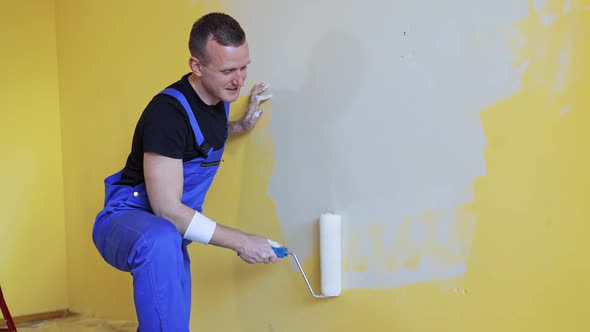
column 195, row 65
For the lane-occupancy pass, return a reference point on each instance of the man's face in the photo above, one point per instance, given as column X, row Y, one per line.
column 225, row 72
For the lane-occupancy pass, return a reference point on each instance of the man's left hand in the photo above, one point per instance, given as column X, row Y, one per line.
column 256, row 98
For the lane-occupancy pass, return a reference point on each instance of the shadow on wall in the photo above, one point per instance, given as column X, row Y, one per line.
column 308, row 141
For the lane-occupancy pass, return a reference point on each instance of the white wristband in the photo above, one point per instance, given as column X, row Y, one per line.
column 200, row 229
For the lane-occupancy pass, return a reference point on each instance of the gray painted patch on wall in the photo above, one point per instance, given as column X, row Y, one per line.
column 376, row 117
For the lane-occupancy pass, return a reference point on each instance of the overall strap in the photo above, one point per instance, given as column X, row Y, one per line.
column 204, row 146
column 226, row 104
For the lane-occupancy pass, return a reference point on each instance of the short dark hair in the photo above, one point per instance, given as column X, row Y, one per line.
column 220, row 27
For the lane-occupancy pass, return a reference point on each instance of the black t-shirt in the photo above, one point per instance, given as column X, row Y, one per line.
column 164, row 128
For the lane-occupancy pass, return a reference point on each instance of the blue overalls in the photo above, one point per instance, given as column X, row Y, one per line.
column 130, row 237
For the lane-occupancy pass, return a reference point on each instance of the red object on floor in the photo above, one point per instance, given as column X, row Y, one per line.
column 10, row 327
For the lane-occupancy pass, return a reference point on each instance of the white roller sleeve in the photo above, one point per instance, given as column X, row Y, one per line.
column 200, row 229
column 330, row 254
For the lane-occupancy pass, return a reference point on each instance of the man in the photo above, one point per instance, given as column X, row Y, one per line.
column 153, row 207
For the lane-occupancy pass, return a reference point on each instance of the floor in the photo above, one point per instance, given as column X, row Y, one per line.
column 79, row 324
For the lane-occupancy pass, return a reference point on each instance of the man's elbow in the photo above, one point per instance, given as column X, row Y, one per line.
column 164, row 209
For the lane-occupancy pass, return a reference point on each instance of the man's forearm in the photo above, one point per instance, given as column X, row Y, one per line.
column 228, row 237
column 187, row 222
column 236, row 127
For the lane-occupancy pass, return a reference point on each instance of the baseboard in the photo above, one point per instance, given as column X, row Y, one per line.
column 40, row 317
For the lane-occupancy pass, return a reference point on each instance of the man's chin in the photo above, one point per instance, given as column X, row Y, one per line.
column 231, row 96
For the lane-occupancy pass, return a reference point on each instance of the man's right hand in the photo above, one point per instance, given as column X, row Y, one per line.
column 256, row 249
column 251, row 248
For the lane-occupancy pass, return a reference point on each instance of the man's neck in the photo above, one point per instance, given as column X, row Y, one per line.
column 200, row 90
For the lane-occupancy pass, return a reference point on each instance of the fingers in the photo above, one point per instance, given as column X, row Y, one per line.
column 259, row 88
column 264, row 97
column 256, row 95
column 252, row 114
column 256, row 260
column 268, row 257
column 271, row 259
column 247, row 258
column 251, row 118
column 258, row 250
column 257, row 114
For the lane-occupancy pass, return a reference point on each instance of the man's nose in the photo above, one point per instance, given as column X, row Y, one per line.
column 239, row 78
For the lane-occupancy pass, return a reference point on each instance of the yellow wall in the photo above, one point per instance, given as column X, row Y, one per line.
column 113, row 57
column 32, row 246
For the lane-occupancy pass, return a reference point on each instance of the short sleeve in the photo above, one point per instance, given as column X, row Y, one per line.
column 165, row 128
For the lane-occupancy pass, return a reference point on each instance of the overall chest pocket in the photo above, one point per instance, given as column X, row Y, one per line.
column 210, row 163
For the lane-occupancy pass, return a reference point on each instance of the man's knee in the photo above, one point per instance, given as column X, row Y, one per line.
column 161, row 240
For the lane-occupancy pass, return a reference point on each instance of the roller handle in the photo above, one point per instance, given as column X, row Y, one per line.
column 281, row 252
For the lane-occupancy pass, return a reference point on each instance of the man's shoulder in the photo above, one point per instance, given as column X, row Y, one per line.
column 164, row 106
column 182, row 85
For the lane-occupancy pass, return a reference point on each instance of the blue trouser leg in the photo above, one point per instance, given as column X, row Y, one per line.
column 151, row 248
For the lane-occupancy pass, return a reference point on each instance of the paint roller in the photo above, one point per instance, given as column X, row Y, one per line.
column 330, row 257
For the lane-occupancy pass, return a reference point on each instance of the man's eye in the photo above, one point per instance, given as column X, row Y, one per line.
column 226, row 72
